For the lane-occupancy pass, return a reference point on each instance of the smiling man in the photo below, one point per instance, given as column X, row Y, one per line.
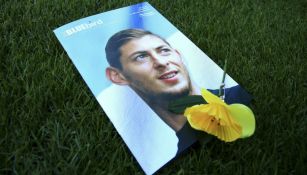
column 156, row 72
column 152, row 68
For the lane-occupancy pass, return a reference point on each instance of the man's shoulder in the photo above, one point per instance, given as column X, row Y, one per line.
column 186, row 137
column 235, row 94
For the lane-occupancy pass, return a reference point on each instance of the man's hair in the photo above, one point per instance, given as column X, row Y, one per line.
column 119, row 39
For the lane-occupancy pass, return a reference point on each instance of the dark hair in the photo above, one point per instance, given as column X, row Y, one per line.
column 114, row 44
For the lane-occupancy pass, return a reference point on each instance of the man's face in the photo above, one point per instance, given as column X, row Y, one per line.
column 154, row 69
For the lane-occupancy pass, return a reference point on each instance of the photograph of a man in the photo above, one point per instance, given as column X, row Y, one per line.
column 135, row 62
column 156, row 71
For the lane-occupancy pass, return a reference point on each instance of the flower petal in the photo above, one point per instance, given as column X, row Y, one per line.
column 245, row 117
column 196, row 117
column 211, row 98
column 214, row 119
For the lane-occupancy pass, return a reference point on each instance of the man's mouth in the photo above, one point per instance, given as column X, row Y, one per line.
column 168, row 75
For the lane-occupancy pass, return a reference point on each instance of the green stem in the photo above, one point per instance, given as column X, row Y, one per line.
column 223, row 79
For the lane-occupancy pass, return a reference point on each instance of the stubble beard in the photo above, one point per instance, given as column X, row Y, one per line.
column 169, row 96
column 162, row 98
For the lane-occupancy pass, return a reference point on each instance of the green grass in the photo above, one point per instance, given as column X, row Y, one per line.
column 50, row 123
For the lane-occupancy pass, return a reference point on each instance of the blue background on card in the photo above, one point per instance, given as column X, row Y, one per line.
column 86, row 47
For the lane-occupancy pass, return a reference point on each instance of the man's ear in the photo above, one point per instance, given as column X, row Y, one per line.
column 116, row 76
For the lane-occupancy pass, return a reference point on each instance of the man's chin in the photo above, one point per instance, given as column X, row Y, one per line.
column 169, row 96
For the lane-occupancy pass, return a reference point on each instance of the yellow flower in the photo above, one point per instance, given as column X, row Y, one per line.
column 227, row 122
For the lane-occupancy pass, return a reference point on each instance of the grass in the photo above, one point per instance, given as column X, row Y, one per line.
column 50, row 122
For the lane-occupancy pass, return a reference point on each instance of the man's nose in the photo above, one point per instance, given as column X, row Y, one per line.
column 159, row 60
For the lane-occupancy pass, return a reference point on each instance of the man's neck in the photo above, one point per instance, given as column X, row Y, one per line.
column 175, row 121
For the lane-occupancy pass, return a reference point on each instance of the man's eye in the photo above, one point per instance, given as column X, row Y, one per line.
column 165, row 51
column 141, row 57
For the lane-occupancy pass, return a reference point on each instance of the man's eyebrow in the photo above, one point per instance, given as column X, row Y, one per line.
column 162, row 46
column 145, row 52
